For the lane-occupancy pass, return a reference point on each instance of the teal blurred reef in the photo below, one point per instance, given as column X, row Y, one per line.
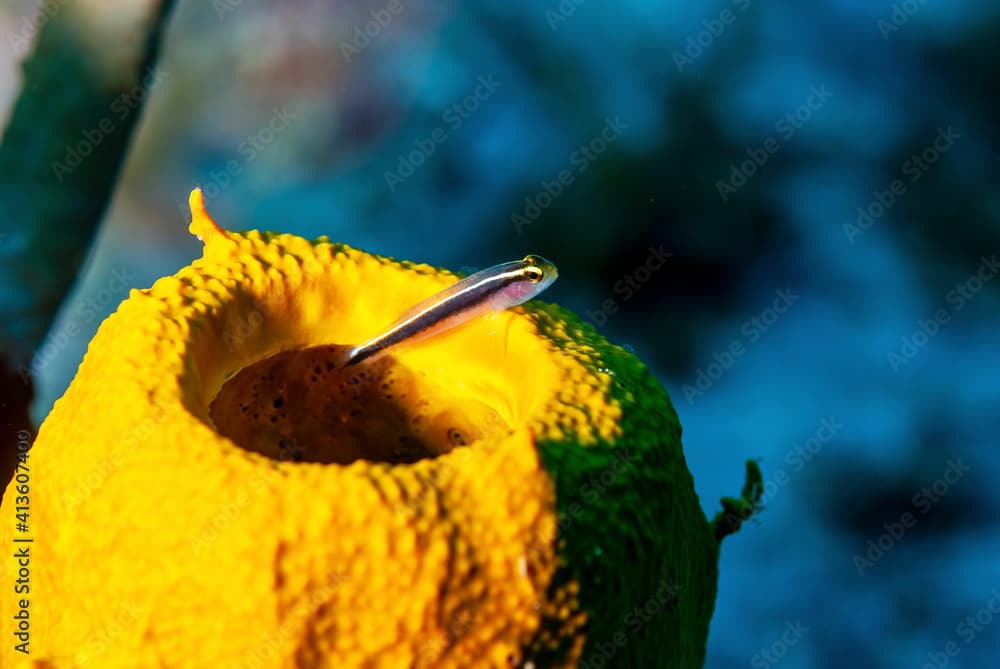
column 791, row 213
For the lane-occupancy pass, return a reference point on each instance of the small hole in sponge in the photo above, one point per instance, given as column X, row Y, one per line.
column 345, row 414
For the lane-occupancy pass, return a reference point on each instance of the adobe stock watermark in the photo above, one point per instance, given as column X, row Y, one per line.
column 453, row 118
column 956, row 299
column 785, row 128
column 225, row 514
column 105, row 638
column 912, row 169
column 92, row 138
column 579, row 162
column 593, row 489
column 800, row 456
column 630, row 284
column 771, row 655
column 900, row 15
column 247, row 322
column 225, row 7
column 90, row 310
column 922, row 501
column 561, row 13
column 751, row 330
column 605, row 650
column 266, row 652
column 364, row 35
column 234, row 505
column 114, row 458
column 967, row 630
column 711, row 30
column 21, row 40
column 249, row 150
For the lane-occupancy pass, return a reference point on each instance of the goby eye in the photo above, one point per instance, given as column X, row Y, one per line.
column 533, row 274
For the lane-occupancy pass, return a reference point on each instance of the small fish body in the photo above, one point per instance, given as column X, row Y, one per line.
column 493, row 289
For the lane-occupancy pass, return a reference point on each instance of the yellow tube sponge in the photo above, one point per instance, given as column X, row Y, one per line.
column 213, row 491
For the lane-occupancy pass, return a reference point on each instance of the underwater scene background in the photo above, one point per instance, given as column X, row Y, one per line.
column 790, row 213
